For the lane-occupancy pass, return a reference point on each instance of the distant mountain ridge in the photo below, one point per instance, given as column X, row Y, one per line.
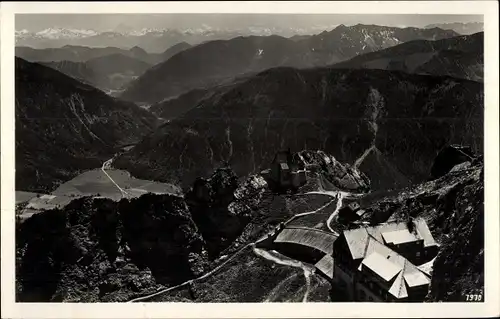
column 460, row 57
column 74, row 53
column 210, row 63
column 64, row 126
column 151, row 39
column 108, row 69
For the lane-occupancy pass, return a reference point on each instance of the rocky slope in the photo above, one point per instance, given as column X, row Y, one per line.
column 96, row 249
column 355, row 115
column 109, row 72
column 88, row 125
column 460, row 57
column 175, row 107
column 210, row 63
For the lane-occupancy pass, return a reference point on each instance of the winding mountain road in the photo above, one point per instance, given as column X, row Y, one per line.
column 107, row 165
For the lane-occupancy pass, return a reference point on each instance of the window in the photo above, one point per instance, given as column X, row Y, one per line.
column 418, row 254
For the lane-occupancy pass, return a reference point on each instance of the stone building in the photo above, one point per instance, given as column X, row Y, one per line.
column 286, row 171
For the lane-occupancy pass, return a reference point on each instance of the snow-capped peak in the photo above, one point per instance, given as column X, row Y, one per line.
column 59, row 33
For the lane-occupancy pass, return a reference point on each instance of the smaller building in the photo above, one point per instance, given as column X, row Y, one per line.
column 287, row 171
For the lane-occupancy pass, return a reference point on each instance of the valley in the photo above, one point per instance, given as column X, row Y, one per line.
column 250, row 168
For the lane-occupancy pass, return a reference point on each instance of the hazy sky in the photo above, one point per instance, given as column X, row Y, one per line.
column 101, row 22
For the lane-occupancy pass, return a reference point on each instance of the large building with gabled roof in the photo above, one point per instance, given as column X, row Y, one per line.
column 378, row 263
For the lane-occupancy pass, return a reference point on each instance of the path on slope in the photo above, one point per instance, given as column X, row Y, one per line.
column 376, row 102
column 260, row 252
column 340, row 196
column 278, row 258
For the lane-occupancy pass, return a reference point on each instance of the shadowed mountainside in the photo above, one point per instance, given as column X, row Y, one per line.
column 88, row 125
column 356, row 115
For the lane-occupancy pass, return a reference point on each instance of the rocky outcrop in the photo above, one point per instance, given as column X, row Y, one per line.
column 341, row 175
column 100, row 250
column 221, row 208
column 449, row 157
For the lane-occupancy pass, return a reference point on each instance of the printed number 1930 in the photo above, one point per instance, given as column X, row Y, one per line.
column 473, row 297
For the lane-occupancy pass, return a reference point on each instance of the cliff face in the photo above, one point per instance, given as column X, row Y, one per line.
column 100, row 250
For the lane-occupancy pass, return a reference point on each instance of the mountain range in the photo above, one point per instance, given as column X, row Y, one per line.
column 74, row 53
column 151, row 39
column 64, row 127
column 109, row 69
column 210, row 63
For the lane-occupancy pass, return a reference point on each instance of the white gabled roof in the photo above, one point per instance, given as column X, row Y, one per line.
column 416, row 278
column 382, row 266
column 398, row 288
column 397, row 237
